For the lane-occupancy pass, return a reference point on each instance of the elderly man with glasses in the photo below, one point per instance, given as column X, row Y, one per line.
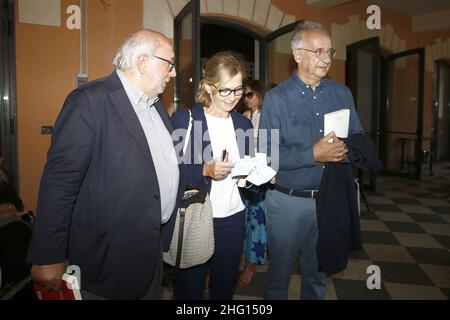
column 296, row 108
column 112, row 180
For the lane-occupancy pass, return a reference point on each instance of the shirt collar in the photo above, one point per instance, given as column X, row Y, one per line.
column 134, row 94
column 303, row 85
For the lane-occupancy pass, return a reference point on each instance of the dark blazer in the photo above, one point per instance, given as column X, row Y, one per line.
column 194, row 171
column 99, row 202
column 337, row 206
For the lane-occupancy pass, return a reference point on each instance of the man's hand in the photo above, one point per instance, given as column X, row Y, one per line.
column 48, row 276
column 325, row 151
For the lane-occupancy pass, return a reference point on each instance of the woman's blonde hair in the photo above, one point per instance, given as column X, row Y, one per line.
column 219, row 69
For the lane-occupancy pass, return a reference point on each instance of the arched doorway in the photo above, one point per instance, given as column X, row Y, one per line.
column 271, row 59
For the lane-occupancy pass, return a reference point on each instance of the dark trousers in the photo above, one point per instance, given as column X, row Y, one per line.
column 223, row 266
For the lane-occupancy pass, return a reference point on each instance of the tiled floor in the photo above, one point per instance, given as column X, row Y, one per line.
column 407, row 236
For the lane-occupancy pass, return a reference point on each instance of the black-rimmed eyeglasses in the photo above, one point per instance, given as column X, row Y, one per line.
column 225, row 92
column 320, row 52
column 170, row 62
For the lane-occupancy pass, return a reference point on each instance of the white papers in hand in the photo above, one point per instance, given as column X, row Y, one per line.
column 338, row 122
column 255, row 169
column 242, row 167
column 261, row 174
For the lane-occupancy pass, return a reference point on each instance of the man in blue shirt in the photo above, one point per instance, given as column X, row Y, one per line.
column 296, row 108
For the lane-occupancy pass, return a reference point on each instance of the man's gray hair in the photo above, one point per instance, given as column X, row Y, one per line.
column 297, row 35
column 135, row 45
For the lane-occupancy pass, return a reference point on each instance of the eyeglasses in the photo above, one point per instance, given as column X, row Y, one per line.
column 170, row 62
column 225, row 92
column 249, row 95
column 320, row 52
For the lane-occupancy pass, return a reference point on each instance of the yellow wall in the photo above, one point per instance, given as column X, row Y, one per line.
column 48, row 61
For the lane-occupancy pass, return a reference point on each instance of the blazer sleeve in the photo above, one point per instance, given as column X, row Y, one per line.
column 67, row 162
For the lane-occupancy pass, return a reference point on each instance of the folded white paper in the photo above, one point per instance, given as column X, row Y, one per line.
column 338, row 122
column 254, row 169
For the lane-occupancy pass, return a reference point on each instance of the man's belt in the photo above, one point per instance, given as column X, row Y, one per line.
column 297, row 193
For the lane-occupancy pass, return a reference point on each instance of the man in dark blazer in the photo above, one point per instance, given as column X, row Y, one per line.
column 111, row 181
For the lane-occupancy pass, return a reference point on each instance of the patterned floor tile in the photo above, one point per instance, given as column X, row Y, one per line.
column 397, row 194
column 357, row 290
column 415, row 190
column 406, row 227
column 379, row 237
column 407, row 273
column 415, row 209
column 241, row 297
column 407, row 201
column 440, row 210
column 417, row 240
column 379, row 200
column 256, row 288
column 373, row 225
column 422, row 195
column 414, row 292
column 393, row 216
column 440, row 275
column 294, row 287
column 385, row 207
column 443, row 240
column 380, row 252
column 356, row 270
column 358, row 255
column 407, row 236
column 446, row 291
column 427, row 218
column 331, row 290
column 430, row 255
column 436, row 229
column 366, row 215
column 434, row 202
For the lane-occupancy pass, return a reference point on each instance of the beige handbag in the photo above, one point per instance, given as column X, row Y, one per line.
column 193, row 236
column 193, row 232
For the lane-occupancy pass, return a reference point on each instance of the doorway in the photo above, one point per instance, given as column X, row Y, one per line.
column 441, row 112
column 402, row 113
column 388, row 92
column 8, row 129
column 362, row 76
column 198, row 37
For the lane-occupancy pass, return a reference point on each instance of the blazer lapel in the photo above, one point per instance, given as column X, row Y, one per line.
column 125, row 110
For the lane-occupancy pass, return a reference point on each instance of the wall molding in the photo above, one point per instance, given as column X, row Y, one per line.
column 356, row 30
column 440, row 49
column 261, row 13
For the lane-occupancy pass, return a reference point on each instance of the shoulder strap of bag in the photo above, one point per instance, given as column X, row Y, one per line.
column 180, row 240
column 182, row 210
column 188, row 133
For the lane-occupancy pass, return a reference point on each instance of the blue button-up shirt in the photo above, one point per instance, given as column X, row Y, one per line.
column 297, row 112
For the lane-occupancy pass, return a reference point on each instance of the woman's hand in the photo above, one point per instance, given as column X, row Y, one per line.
column 217, row 169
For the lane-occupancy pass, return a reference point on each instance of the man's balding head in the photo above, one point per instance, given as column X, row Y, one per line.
column 142, row 41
